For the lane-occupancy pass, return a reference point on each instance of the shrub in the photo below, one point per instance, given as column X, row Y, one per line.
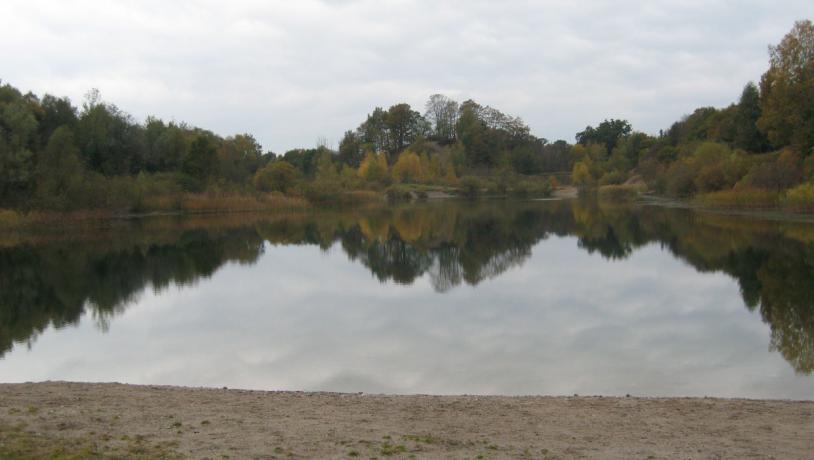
column 613, row 178
column 800, row 198
column 407, row 168
column 278, row 176
column 322, row 192
column 740, row 197
column 784, row 172
column 395, row 194
column 710, row 178
column 679, row 180
column 470, row 186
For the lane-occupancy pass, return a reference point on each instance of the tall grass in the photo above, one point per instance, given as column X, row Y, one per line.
column 745, row 198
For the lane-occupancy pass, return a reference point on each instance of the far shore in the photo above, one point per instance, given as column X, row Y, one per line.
column 79, row 420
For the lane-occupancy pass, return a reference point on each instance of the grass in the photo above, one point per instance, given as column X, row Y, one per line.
column 18, row 443
column 621, row 192
column 743, row 198
column 800, row 198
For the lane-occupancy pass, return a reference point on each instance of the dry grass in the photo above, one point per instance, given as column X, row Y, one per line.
column 744, row 198
column 236, row 202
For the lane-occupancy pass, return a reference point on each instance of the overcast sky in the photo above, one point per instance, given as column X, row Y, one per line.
column 292, row 72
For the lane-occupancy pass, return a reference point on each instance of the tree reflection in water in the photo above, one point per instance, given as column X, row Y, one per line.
column 49, row 280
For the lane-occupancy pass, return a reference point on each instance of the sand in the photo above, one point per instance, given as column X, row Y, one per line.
column 38, row 419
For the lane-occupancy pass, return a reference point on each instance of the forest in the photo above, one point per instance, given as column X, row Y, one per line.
column 757, row 152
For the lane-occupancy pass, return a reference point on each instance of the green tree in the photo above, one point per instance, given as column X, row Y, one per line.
column 279, row 176
column 239, row 158
column 59, row 171
column 18, row 128
column 108, row 138
column 200, row 163
column 608, row 133
column 350, row 149
column 747, row 135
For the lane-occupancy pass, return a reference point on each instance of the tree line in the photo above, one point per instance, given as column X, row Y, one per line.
column 54, row 155
column 758, row 150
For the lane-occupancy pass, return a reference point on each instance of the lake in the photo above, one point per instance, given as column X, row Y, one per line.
column 489, row 297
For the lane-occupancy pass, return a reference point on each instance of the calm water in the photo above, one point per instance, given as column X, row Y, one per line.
column 493, row 297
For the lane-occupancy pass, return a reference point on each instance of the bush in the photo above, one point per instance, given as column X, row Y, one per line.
column 784, row 172
column 740, row 197
column 322, row 192
column 278, row 176
column 470, row 186
column 395, row 194
column 711, row 178
column 800, row 198
column 613, row 178
column 679, row 180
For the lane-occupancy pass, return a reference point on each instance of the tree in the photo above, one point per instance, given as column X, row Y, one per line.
column 407, row 168
column 350, row 149
column 108, row 138
column 747, row 135
column 608, row 133
column 442, row 113
column 581, row 175
column 787, row 91
column 239, row 158
column 18, row 128
column 59, row 170
column 279, row 176
column 404, row 126
column 56, row 112
column 373, row 167
column 200, row 163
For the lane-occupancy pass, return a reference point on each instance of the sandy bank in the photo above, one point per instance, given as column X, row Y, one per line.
column 153, row 421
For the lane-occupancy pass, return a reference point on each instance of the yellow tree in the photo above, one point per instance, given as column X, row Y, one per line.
column 407, row 168
column 373, row 167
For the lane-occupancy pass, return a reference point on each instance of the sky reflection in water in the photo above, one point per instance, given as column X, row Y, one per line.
column 446, row 298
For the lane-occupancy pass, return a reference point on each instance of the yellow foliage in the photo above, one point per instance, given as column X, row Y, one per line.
column 407, row 168
column 373, row 167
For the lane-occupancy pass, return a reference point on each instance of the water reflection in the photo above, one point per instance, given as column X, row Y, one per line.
column 47, row 280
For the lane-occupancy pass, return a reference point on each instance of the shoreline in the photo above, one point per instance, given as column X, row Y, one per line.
column 112, row 419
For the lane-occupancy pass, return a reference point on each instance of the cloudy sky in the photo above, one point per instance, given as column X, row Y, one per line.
column 292, row 72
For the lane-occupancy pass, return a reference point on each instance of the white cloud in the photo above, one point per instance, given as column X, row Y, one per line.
column 291, row 72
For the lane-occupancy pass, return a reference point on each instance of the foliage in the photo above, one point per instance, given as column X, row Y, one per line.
column 407, row 168
column 373, row 168
column 470, row 186
column 787, row 90
column 278, row 176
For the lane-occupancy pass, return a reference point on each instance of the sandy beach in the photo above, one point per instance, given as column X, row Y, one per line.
column 79, row 420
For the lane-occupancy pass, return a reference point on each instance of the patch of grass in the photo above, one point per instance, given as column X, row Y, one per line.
column 426, row 439
column 388, row 449
column 620, row 192
column 353, row 453
column 17, row 443
column 800, row 198
column 206, row 422
column 746, row 198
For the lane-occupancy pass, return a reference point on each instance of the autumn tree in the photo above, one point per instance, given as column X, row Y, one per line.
column 787, row 90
